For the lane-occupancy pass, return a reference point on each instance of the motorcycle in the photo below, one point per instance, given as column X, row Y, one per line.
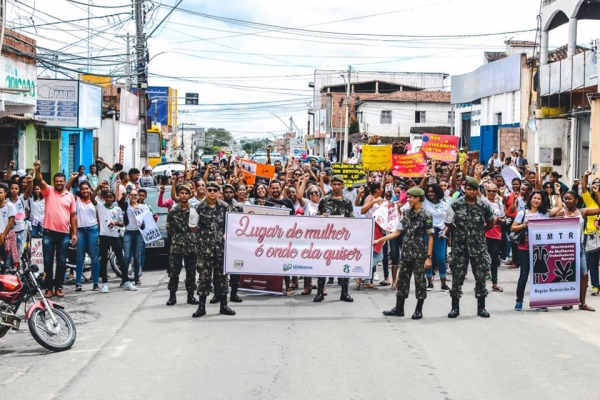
column 49, row 324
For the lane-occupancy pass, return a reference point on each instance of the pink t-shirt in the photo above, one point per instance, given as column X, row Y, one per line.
column 59, row 207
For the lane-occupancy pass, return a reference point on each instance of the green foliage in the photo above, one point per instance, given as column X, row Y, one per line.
column 353, row 127
column 222, row 134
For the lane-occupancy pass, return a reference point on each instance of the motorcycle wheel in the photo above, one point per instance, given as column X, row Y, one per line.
column 112, row 259
column 59, row 338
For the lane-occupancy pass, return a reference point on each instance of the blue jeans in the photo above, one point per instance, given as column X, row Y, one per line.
column 37, row 231
column 87, row 241
column 133, row 243
column 438, row 259
column 375, row 258
column 55, row 243
column 524, row 275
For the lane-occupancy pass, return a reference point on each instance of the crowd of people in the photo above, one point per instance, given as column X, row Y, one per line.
column 464, row 206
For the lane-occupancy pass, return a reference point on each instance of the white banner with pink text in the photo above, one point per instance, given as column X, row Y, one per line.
column 298, row 246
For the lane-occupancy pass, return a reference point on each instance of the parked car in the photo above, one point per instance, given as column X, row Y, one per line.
column 162, row 168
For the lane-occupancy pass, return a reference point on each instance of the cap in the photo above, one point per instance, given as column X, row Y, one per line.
column 213, row 184
column 147, row 168
column 21, row 173
column 337, row 178
column 472, row 183
column 186, row 187
column 228, row 186
column 416, row 192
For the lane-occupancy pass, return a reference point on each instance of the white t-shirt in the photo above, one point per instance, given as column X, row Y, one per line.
column 5, row 213
column 86, row 214
column 437, row 211
column 106, row 216
column 19, row 206
column 310, row 208
column 37, row 211
column 497, row 207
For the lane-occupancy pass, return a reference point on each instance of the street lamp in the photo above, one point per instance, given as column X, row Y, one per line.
column 345, row 144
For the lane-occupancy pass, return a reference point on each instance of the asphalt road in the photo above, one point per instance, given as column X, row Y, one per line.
column 130, row 345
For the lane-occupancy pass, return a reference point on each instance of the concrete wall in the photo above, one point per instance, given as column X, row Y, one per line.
column 552, row 133
column 111, row 136
column 595, row 134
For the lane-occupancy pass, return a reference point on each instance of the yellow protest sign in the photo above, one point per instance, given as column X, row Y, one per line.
column 377, row 157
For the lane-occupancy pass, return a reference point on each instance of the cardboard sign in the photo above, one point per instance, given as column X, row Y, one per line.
column 377, row 157
column 409, row 165
column 147, row 225
column 353, row 174
column 440, row 147
column 257, row 174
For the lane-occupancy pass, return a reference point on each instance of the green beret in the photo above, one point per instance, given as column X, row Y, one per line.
column 416, row 192
column 186, row 187
column 337, row 178
column 213, row 184
column 472, row 183
column 228, row 186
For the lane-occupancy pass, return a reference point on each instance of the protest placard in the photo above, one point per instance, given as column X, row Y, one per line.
column 440, row 147
column 147, row 225
column 256, row 174
column 291, row 246
column 377, row 157
column 353, row 174
column 297, row 148
column 409, row 165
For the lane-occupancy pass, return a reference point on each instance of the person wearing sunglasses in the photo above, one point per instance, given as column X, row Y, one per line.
column 493, row 237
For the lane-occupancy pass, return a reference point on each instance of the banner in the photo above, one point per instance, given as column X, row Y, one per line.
column 353, row 174
column 386, row 216
column 409, row 165
column 440, row 147
column 257, row 174
column 147, row 225
column 554, row 250
column 264, row 210
column 377, row 157
column 37, row 252
column 297, row 148
column 291, row 246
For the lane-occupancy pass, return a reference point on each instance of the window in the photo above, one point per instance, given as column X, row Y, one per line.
column 499, row 119
column 450, row 117
column 420, row 116
column 386, row 117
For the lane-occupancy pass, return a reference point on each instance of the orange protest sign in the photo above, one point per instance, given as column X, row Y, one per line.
column 440, row 147
column 409, row 165
column 255, row 173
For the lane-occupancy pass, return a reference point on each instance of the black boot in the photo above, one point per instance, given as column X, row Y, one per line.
column 224, row 309
column 201, row 308
column 319, row 297
column 397, row 311
column 191, row 299
column 234, row 298
column 418, row 314
column 481, row 311
column 455, row 311
column 345, row 296
column 172, row 299
column 215, row 299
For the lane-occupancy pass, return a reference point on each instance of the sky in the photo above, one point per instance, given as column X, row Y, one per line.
column 251, row 61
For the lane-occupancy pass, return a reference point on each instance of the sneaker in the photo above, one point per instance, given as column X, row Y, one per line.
column 59, row 292
column 104, row 288
column 78, row 287
column 543, row 309
column 595, row 291
column 519, row 306
column 95, row 288
column 129, row 286
column 430, row 286
column 375, row 276
column 445, row 288
column 139, row 283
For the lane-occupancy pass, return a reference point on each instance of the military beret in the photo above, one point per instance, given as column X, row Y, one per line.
column 416, row 192
column 186, row 187
column 472, row 183
column 228, row 186
column 213, row 184
column 337, row 178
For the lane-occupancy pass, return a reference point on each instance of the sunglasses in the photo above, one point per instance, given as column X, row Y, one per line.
column 313, row 193
column 212, row 190
column 492, row 191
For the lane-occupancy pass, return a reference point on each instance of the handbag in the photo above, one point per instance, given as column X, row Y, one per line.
column 519, row 236
column 592, row 244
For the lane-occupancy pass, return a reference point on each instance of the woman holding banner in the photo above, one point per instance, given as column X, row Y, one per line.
column 538, row 207
column 311, row 208
column 592, row 233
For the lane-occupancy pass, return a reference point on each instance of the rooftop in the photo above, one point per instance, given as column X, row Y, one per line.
column 520, row 43
column 414, row 97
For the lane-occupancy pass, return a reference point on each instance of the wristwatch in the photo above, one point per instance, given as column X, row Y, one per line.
column 428, row 255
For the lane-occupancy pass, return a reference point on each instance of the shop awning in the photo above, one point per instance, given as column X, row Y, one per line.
column 11, row 119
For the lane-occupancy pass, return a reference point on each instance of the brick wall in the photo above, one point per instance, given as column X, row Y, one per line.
column 338, row 111
column 509, row 138
column 19, row 47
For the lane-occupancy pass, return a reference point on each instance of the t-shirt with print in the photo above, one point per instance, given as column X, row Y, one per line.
column 526, row 215
column 106, row 215
column 20, row 214
column 5, row 213
column 498, row 210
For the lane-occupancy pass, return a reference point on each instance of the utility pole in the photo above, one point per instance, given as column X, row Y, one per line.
column 141, row 53
column 89, row 35
column 127, row 60
column 345, row 152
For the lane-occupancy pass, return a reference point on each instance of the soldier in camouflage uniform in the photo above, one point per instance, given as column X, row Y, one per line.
column 182, row 247
column 335, row 204
column 416, row 253
column 209, row 220
column 234, row 279
column 469, row 218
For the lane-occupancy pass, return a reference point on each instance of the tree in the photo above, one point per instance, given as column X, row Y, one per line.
column 251, row 147
column 223, row 134
column 353, row 127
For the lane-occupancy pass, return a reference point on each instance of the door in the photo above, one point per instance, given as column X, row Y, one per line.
column 583, row 125
column 44, row 155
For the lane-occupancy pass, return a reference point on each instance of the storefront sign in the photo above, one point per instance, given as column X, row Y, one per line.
column 129, row 108
column 291, row 246
column 18, row 75
column 90, row 106
column 554, row 250
column 409, row 165
column 377, row 157
column 353, row 174
column 69, row 104
column 440, row 147
column 297, row 148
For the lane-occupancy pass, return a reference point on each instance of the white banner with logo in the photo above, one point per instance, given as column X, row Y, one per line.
column 147, row 225
column 554, row 256
column 304, row 246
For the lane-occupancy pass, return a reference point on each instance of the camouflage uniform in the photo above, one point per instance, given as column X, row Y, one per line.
column 468, row 244
column 211, row 247
column 416, row 225
column 183, row 249
column 234, row 278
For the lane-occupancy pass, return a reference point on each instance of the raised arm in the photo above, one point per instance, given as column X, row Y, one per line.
column 71, row 180
column 38, row 175
column 584, row 181
column 29, row 189
column 9, row 171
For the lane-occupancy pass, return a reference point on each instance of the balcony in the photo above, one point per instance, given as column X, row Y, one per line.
column 570, row 74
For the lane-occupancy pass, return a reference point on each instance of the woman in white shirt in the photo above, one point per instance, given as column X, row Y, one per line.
column 37, row 204
column 87, row 233
column 133, row 239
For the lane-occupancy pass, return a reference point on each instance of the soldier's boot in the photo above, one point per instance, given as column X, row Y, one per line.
column 345, row 296
column 224, row 309
column 397, row 311
column 172, row 298
column 319, row 297
column 215, row 299
column 201, row 308
column 481, row 311
column 418, row 314
column 234, row 298
column 455, row 311
column 191, row 299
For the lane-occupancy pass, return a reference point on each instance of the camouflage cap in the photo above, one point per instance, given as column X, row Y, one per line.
column 416, row 192
column 472, row 183
column 213, row 184
column 185, row 187
column 228, row 186
column 337, row 178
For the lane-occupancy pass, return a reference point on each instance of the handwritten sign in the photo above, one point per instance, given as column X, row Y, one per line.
column 291, row 246
column 353, row 174
column 147, row 225
column 409, row 165
column 255, row 173
column 440, row 147
column 377, row 157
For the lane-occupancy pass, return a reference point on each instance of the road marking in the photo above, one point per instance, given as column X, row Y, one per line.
column 15, row 376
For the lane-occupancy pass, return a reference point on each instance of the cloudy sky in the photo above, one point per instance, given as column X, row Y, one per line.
column 249, row 59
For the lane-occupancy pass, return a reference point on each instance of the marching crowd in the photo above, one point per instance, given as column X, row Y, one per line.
column 464, row 206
